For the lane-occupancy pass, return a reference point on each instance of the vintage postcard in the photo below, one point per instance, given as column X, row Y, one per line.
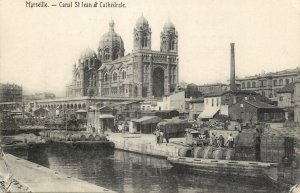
column 150, row 96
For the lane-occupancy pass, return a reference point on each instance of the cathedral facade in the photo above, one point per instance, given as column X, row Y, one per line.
column 141, row 73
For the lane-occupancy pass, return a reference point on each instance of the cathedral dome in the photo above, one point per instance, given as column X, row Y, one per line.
column 169, row 26
column 111, row 39
column 142, row 21
column 87, row 54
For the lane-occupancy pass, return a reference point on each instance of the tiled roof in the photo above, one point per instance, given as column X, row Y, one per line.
column 261, row 105
column 197, row 100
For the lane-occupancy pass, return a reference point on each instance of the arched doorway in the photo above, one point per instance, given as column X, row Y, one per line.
column 158, row 82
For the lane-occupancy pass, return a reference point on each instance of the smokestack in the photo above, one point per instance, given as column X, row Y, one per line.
column 232, row 68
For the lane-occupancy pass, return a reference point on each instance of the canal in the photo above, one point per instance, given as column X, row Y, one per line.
column 129, row 172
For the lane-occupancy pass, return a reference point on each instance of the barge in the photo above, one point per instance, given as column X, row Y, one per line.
column 226, row 167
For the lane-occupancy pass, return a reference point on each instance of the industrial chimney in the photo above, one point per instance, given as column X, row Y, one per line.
column 232, row 68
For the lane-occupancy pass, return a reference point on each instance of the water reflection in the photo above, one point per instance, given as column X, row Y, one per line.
column 130, row 172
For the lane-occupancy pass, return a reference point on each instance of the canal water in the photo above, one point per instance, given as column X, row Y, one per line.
column 129, row 172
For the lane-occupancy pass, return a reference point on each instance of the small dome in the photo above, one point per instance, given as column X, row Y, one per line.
column 87, row 54
column 142, row 21
column 169, row 26
column 111, row 38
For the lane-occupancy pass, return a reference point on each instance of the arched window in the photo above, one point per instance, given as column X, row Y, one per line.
column 106, row 77
column 106, row 54
column 274, row 82
column 145, row 41
column 243, row 85
column 248, row 85
column 280, row 82
column 253, row 84
column 172, row 45
column 115, row 76
column 287, row 81
column 123, row 74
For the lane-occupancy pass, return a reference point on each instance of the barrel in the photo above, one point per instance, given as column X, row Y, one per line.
column 229, row 154
column 97, row 138
column 182, row 152
column 208, row 152
column 91, row 138
column 199, row 152
column 218, row 154
column 78, row 137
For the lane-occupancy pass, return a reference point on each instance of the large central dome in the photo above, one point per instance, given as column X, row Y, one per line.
column 111, row 45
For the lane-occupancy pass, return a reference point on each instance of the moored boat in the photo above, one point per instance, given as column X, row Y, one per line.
column 226, row 167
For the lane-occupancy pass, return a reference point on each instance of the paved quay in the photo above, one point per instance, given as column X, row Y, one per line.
column 144, row 144
column 41, row 179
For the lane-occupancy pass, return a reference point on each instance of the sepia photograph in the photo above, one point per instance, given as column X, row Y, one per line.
column 149, row 96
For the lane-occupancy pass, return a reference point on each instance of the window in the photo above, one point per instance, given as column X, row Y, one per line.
column 172, row 45
column 106, row 54
column 145, row 41
column 115, row 76
column 212, row 102
column 253, row 84
column 248, row 85
column 123, row 74
column 243, row 85
column 217, row 102
column 106, row 77
column 281, row 98
column 274, row 82
column 280, row 82
column 287, row 81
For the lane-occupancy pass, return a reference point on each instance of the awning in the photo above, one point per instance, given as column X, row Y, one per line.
column 147, row 120
column 208, row 113
column 106, row 116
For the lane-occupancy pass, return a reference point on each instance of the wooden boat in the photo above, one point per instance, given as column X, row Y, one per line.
column 226, row 167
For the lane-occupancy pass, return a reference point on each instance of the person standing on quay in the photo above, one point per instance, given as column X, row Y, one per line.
column 157, row 136
column 230, row 141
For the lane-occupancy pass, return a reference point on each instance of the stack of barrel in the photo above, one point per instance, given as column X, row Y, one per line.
column 274, row 148
column 245, row 147
column 208, row 152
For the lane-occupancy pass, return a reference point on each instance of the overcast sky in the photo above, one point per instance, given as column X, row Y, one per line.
column 40, row 45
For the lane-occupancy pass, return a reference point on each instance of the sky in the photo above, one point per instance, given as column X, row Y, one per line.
column 38, row 46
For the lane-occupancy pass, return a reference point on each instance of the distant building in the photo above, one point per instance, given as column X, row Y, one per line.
column 192, row 91
column 141, row 73
column 176, row 101
column 212, row 88
column 37, row 96
column 286, row 100
column 297, row 100
column 267, row 84
column 252, row 111
column 11, row 93
column 196, row 106
column 219, row 103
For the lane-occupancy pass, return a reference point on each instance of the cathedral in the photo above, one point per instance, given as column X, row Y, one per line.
column 142, row 73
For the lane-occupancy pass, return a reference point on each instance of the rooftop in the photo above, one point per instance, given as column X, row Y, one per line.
column 261, row 105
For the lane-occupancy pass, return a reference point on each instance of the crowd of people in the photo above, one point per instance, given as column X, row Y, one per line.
column 220, row 141
column 160, row 136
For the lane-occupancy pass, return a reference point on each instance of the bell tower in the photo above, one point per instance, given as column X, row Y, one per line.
column 169, row 38
column 142, row 34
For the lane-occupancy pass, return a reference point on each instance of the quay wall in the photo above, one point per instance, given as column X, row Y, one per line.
column 41, row 179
